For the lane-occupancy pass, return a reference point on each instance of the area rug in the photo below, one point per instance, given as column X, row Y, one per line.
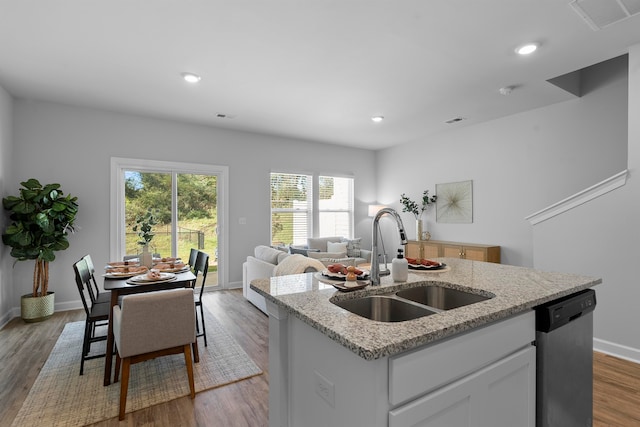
column 61, row 397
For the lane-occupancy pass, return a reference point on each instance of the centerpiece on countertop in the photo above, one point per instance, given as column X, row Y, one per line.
column 144, row 228
column 409, row 205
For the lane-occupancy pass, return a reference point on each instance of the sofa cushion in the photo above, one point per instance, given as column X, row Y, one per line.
column 337, row 247
column 282, row 256
column 267, row 254
column 320, row 243
column 320, row 255
column 353, row 247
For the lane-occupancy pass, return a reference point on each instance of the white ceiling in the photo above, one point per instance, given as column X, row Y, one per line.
column 311, row 69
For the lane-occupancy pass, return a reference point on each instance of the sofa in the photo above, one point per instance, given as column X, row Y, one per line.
column 334, row 249
column 267, row 262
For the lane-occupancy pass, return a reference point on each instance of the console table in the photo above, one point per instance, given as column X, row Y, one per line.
column 439, row 248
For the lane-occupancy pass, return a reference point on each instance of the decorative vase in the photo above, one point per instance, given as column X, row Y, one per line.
column 418, row 229
column 36, row 309
column 146, row 257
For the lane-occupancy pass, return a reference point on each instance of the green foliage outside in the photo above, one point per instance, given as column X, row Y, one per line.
column 197, row 212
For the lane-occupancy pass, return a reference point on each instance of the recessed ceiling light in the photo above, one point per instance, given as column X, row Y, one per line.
column 191, row 78
column 527, row 49
column 377, row 119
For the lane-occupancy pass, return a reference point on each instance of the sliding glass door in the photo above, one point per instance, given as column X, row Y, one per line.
column 186, row 205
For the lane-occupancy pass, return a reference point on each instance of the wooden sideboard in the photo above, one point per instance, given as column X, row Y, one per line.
column 439, row 248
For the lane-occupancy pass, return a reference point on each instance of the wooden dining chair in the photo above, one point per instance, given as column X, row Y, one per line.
column 151, row 325
column 96, row 314
column 94, row 290
column 200, row 270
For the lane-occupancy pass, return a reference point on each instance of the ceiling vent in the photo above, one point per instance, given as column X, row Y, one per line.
column 599, row 14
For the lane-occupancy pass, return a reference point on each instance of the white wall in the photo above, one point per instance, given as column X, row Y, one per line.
column 519, row 164
column 601, row 239
column 73, row 146
column 6, row 118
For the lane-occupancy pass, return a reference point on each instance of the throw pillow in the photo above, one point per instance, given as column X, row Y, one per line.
column 301, row 251
column 353, row 247
column 336, row 247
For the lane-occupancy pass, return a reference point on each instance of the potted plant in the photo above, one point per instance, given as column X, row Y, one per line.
column 41, row 218
column 144, row 228
column 409, row 205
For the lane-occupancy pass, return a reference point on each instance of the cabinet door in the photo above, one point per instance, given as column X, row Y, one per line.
column 452, row 251
column 500, row 395
column 474, row 254
column 429, row 249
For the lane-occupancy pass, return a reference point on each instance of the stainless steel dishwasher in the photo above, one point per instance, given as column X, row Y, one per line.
column 564, row 340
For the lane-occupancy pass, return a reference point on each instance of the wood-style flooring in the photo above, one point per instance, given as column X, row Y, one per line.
column 24, row 349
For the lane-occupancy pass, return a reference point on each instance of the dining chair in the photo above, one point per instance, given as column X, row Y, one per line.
column 200, row 270
column 192, row 257
column 151, row 325
column 96, row 314
column 94, row 290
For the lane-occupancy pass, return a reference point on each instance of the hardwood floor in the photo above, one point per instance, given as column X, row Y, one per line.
column 25, row 347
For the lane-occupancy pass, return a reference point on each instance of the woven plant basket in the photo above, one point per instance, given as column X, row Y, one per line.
column 36, row 309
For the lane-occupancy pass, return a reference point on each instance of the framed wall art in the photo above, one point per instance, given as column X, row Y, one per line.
column 455, row 202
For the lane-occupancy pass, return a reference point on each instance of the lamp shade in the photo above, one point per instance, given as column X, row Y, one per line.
column 373, row 209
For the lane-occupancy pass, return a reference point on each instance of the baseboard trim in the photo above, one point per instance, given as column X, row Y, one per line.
column 621, row 351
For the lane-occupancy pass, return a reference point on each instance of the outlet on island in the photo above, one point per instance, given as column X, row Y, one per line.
column 325, row 389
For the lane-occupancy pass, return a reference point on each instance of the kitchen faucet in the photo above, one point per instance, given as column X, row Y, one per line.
column 375, row 265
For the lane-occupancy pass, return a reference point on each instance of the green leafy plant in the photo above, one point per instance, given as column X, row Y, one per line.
column 144, row 227
column 417, row 210
column 41, row 218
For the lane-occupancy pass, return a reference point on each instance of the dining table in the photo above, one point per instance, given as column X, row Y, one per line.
column 119, row 286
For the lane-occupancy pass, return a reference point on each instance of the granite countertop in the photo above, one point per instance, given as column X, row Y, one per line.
column 513, row 290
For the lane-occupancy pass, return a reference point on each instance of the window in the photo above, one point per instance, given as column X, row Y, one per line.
column 291, row 208
column 335, row 206
column 293, row 217
column 188, row 201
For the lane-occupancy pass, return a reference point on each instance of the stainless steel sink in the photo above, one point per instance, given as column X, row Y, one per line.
column 384, row 308
column 440, row 297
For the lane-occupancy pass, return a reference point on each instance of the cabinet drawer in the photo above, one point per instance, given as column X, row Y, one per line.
column 419, row 371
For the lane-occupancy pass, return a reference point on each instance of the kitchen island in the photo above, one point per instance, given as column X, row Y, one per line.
column 328, row 366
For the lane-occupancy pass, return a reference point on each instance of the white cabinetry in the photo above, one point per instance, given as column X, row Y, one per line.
column 501, row 394
column 483, row 377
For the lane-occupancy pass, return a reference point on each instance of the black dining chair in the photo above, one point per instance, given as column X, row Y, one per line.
column 96, row 314
column 97, row 297
column 193, row 255
column 200, row 270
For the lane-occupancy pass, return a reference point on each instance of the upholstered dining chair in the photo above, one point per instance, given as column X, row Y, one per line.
column 200, row 270
column 151, row 325
column 96, row 314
